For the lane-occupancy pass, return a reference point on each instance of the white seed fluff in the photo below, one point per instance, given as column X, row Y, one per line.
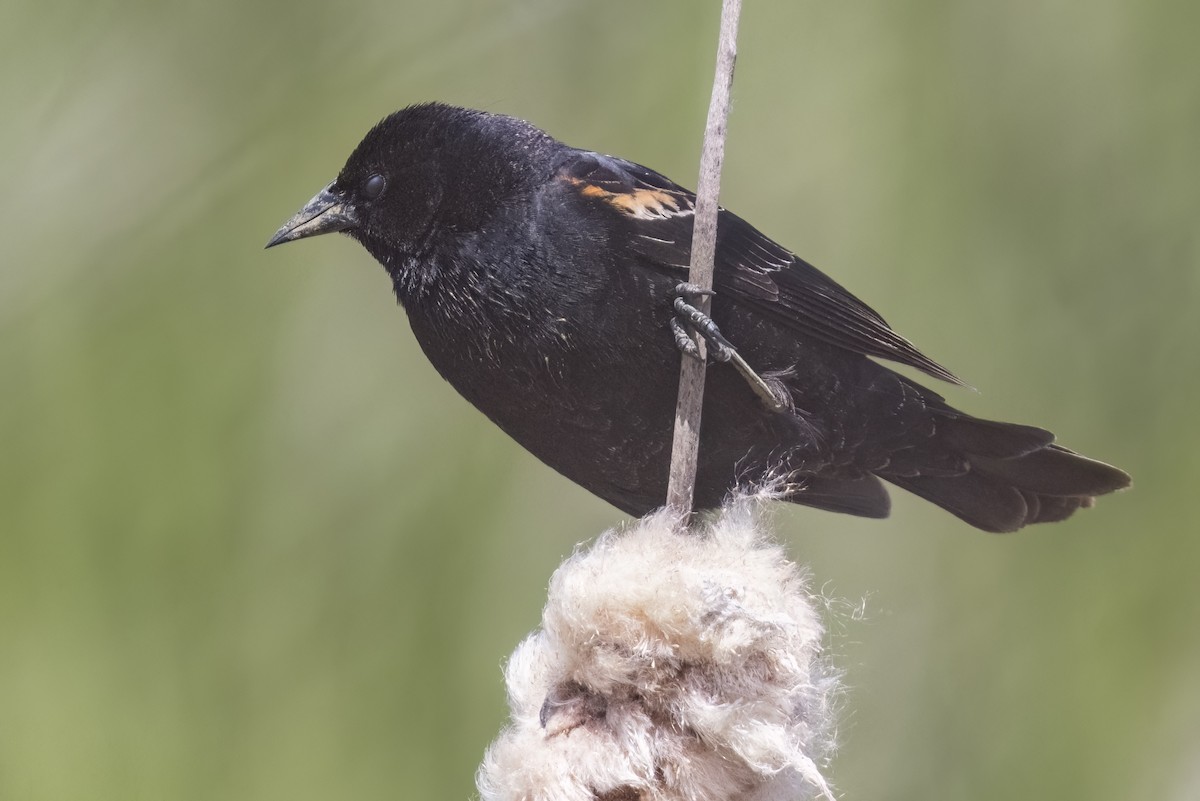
column 670, row 667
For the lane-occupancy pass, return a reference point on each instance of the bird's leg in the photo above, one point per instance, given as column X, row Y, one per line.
column 687, row 316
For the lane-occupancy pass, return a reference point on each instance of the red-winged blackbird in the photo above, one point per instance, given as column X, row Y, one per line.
column 543, row 282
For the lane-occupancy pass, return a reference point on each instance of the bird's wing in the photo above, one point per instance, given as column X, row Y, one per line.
column 751, row 269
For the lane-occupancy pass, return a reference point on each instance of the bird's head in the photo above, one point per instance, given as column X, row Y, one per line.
column 423, row 173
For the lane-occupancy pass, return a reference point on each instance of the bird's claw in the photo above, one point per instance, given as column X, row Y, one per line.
column 692, row 292
column 687, row 316
column 683, row 340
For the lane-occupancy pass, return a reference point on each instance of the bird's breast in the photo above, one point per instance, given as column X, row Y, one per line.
column 550, row 377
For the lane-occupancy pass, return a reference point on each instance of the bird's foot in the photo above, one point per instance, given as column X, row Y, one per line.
column 688, row 316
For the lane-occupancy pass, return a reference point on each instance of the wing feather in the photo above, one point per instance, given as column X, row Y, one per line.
column 755, row 272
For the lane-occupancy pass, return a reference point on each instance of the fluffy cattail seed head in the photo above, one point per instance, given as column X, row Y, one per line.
column 669, row 666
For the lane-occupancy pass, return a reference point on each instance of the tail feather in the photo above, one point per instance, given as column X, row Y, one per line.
column 865, row 497
column 1050, row 509
column 965, row 434
column 1054, row 471
column 1014, row 475
column 982, row 501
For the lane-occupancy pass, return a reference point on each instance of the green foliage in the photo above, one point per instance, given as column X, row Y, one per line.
column 252, row 547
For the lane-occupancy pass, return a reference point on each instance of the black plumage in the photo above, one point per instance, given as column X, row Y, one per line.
column 539, row 280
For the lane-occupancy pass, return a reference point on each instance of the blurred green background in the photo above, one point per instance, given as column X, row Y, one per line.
column 252, row 547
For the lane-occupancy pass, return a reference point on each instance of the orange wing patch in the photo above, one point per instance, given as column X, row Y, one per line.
column 642, row 204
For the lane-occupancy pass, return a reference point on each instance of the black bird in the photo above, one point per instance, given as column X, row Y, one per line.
column 544, row 283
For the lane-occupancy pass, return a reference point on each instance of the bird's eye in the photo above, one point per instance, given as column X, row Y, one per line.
column 373, row 187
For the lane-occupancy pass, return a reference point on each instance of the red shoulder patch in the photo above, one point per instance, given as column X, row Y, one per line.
column 642, row 204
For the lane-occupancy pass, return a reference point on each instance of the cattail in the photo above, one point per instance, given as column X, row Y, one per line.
column 670, row 665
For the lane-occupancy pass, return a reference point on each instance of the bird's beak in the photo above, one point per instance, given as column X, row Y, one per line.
column 327, row 212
